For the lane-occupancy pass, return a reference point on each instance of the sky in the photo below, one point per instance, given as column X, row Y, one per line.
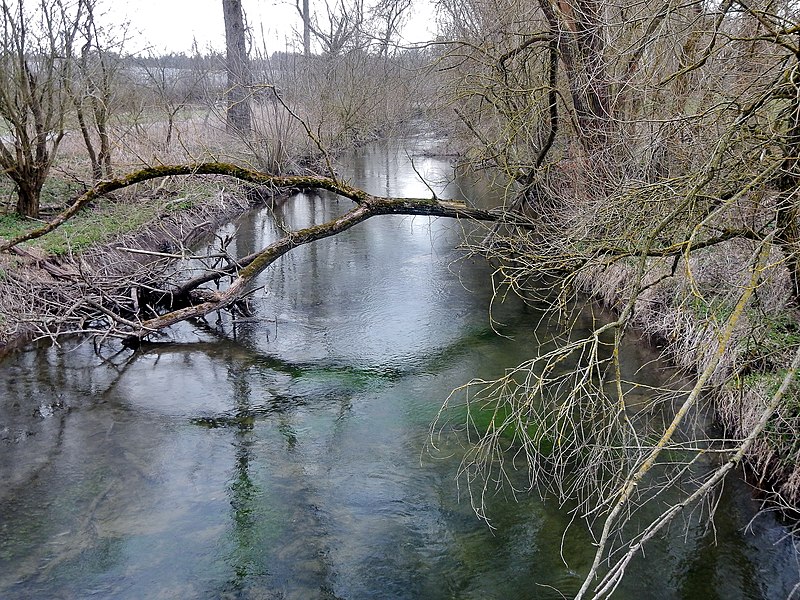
column 171, row 25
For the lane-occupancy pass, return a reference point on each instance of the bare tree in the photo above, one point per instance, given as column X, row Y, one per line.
column 361, row 89
column 93, row 90
column 338, row 29
column 173, row 87
column 390, row 16
column 305, row 13
column 132, row 309
column 651, row 156
column 36, row 53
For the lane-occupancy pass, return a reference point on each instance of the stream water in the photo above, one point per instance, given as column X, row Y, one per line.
column 286, row 457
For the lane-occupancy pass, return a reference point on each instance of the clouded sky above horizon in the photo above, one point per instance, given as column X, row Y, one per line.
column 172, row 25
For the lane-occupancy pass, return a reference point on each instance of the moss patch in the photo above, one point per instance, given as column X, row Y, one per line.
column 501, row 418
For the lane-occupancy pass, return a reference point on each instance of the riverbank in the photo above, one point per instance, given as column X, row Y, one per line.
column 45, row 282
column 688, row 329
column 704, row 278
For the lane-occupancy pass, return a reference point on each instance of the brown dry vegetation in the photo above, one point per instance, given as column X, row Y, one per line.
column 651, row 158
column 48, row 295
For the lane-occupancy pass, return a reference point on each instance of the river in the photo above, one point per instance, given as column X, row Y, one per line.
column 287, row 457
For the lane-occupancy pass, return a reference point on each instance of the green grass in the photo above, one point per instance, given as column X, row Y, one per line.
column 770, row 382
column 12, row 225
column 91, row 226
column 181, row 205
column 717, row 310
column 783, row 332
column 771, row 341
column 58, row 193
column 96, row 224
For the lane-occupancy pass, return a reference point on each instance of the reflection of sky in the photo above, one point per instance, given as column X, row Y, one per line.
column 328, row 491
column 381, row 292
column 384, row 169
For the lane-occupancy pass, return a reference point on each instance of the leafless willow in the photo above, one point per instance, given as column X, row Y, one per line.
column 655, row 148
column 35, row 65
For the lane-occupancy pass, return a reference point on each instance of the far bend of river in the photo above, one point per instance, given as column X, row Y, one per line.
column 288, row 461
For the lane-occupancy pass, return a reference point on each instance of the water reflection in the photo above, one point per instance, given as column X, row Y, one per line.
column 283, row 458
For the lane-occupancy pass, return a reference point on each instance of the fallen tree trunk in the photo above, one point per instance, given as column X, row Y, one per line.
column 189, row 299
column 249, row 267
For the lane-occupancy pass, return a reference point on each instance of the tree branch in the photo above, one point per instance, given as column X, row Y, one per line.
column 252, row 265
column 210, row 168
column 193, row 302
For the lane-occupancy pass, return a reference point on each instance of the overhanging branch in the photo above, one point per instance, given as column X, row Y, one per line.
column 249, row 267
column 209, row 168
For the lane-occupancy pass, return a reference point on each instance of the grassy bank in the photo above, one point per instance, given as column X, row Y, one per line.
column 45, row 280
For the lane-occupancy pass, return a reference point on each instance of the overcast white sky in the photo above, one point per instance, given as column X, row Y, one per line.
column 171, row 25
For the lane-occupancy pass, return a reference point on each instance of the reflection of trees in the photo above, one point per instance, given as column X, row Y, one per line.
column 260, row 513
column 27, row 534
column 43, row 431
column 244, row 492
column 710, row 568
column 34, row 412
column 260, row 548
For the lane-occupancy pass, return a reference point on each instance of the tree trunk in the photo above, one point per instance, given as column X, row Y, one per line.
column 190, row 299
column 238, row 67
column 97, row 171
column 104, row 154
column 28, row 193
column 306, row 28
column 581, row 47
column 787, row 232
